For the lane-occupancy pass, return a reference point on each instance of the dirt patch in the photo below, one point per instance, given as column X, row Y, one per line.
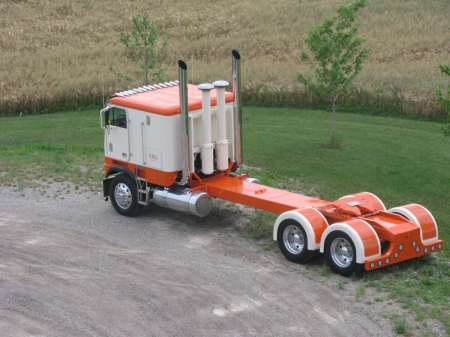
column 72, row 266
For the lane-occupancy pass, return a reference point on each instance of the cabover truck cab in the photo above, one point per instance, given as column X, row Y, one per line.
column 179, row 146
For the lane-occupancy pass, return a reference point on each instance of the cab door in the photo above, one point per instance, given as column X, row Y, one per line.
column 117, row 144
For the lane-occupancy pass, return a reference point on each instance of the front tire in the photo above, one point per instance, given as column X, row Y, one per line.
column 123, row 193
column 340, row 254
column 293, row 242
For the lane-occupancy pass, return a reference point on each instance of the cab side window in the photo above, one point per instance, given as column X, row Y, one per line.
column 118, row 117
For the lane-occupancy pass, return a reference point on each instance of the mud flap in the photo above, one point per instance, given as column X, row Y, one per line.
column 106, row 184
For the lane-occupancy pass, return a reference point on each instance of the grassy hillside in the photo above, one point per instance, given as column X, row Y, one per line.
column 58, row 53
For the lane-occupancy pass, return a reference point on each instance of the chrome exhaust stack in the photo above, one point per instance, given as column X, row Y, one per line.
column 184, row 124
column 181, row 198
column 237, row 111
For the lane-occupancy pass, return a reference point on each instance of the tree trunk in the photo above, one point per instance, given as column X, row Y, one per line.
column 146, row 68
column 333, row 110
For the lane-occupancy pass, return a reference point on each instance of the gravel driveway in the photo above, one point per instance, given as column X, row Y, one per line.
column 72, row 266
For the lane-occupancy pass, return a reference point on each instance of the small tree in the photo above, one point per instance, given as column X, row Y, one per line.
column 337, row 55
column 142, row 45
column 445, row 100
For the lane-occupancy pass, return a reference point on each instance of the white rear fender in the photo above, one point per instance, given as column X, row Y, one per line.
column 364, row 237
column 422, row 218
column 312, row 221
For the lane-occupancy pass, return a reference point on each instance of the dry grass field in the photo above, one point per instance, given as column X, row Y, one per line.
column 57, row 53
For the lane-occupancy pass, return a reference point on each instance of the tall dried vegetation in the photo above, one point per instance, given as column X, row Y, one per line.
column 57, row 54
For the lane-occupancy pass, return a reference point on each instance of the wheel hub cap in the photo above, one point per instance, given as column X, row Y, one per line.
column 123, row 196
column 341, row 252
column 293, row 239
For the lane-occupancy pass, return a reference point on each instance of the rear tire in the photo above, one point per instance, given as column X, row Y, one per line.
column 340, row 254
column 293, row 242
column 124, row 198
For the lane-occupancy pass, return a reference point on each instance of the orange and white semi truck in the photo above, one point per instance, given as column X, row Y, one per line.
column 179, row 146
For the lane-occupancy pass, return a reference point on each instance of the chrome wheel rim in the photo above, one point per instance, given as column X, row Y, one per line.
column 122, row 194
column 293, row 239
column 341, row 252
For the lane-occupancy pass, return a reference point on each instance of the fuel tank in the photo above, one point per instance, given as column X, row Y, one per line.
column 183, row 200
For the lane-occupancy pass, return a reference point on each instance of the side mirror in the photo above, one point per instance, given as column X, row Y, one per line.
column 107, row 117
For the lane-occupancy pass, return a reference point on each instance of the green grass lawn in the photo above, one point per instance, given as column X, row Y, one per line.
column 38, row 149
column 401, row 161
